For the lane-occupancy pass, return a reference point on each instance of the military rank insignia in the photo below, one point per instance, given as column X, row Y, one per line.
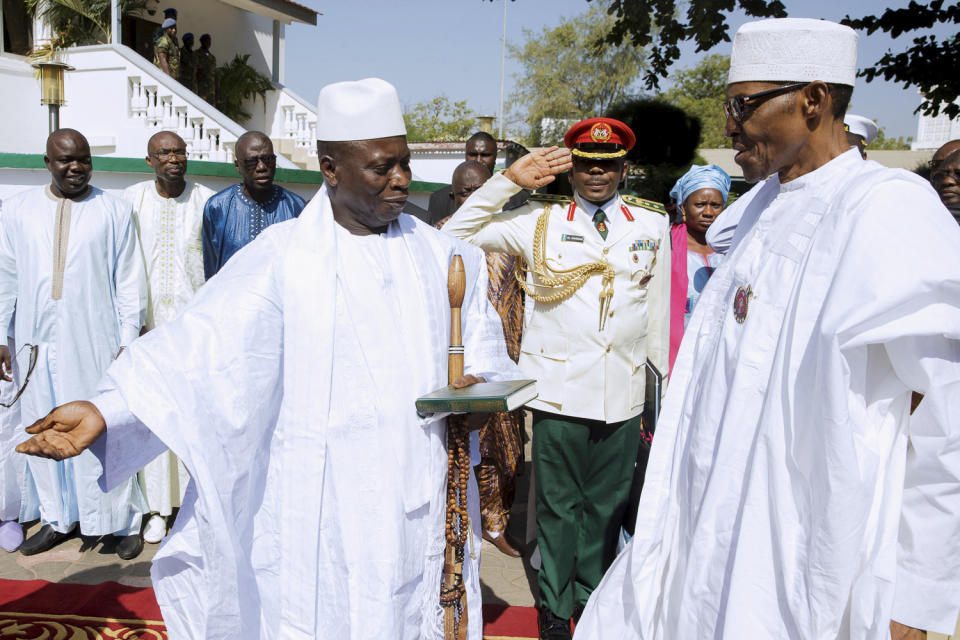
column 741, row 303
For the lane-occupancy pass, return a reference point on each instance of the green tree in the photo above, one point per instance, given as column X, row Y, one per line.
column 700, row 91
column 79, row 22
column 568, row 75
column 929, row 64
column 238, row 82
column 885, row 143
column 439, row 120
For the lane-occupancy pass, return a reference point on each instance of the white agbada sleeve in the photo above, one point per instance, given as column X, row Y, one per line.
column 130, row 280
column 928, row 562
column 912, row 307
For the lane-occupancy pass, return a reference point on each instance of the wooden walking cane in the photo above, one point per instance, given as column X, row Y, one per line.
column 453, row 596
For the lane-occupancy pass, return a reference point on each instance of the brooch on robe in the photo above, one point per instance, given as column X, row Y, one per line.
column 741, row 303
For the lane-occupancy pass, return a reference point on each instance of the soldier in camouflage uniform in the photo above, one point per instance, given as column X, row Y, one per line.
column 166, row 51
column 206, row 71
column 188, row 63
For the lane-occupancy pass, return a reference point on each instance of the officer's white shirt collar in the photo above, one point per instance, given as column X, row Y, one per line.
column 611, row 208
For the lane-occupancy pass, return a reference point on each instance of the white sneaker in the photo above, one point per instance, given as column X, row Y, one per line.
column 156, row 529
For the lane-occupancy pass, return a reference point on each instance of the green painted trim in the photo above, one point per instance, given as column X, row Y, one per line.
column 195, row 168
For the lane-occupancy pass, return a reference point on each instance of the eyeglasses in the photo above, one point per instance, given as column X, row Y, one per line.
column 170, row 154
column 736, row 107
column 33, row 363
column 250, row 164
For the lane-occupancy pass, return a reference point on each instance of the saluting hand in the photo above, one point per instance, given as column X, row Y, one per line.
column 539, row 168
column 65, row 432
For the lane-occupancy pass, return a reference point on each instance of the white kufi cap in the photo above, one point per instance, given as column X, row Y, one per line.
column 362, row 110
column 794, row 50
column 863, row 127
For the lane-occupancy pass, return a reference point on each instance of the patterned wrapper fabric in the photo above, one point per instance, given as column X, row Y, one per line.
column 501, row 436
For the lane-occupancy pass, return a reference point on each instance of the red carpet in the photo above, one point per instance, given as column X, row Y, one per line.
column 35, row 609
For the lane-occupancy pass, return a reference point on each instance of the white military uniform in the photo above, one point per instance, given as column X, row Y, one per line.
column 581, row 370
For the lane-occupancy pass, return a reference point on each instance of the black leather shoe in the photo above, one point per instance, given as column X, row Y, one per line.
column 129, row 547
column 552, row 626
column 43, row 540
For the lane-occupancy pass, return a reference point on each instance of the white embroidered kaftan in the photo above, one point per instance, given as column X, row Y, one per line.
column 74, row 273
column 172, row 249
column 316, row 507
column 789, row 494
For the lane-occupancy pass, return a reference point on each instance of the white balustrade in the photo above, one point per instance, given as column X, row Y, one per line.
column 138, row 101
column 169, row 121
column 311, row 144
column 153, row 110
column 289, row 123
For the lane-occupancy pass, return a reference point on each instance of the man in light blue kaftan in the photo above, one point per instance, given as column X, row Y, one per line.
column 71, row 266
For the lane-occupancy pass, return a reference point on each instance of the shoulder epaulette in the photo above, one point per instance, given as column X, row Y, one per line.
column 644, row 204
column 549, row 197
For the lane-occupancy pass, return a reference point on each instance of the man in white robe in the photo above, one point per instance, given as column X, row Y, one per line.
column 71, row 266
column 168, row 211
column 789, row 492
column 317, row 502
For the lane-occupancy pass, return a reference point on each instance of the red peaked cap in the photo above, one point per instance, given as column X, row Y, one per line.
column 600, row 130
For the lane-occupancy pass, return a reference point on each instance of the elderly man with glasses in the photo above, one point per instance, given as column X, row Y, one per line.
column 237, row 215
column 169, row 214
column 789, row 491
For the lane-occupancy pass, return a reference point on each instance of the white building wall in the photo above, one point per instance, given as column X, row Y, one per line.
column 23, row 120
column 932, row 132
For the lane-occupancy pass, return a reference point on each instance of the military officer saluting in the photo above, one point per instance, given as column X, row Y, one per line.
column 598, row 281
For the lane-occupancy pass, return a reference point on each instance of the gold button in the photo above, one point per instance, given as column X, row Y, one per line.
column 611, row 314
column 559, row 255
column 606, row 250
column 608, row 348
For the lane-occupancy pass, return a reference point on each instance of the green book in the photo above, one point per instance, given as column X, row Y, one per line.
column 483, row 397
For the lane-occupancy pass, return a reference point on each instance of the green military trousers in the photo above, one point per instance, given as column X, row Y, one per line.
column 584, row 469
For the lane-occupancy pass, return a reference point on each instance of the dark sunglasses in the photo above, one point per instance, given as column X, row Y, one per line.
column 269, row 160
column 33, row 363
column 736, row 107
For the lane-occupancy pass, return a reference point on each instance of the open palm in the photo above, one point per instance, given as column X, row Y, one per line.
column 65, row 432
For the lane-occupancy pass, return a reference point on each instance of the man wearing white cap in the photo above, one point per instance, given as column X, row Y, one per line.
column 317, row 503
column 789, row 492
column 860, row 132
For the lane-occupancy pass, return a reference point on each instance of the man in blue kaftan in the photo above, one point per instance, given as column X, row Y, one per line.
column 237, row 215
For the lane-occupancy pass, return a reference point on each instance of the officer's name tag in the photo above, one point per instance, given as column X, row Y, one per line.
column 566, row 237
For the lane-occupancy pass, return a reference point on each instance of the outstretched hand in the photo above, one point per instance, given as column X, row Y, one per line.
column 65, row 432
column 539, row 168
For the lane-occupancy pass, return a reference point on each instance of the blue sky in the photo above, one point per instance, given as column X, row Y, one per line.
column 452, row 47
